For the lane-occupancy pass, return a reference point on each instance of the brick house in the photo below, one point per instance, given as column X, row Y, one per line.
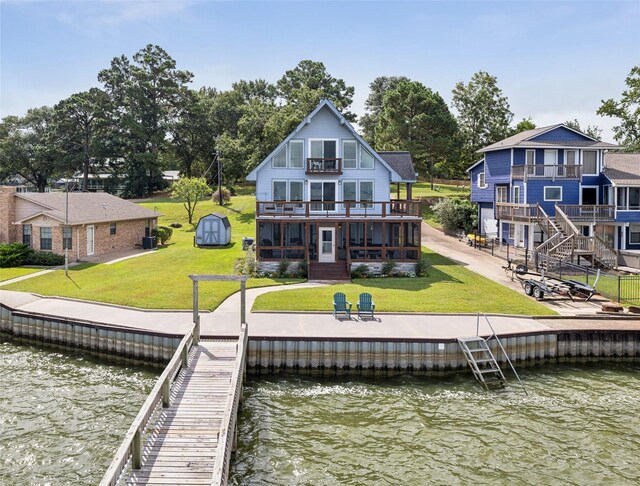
column 98, row 223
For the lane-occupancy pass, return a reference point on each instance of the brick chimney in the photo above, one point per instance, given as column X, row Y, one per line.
column 8, row 231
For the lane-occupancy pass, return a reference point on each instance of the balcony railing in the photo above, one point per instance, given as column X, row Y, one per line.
column 316, row 165
column 541, row 171
column 306, row 209
column 590, row 213
column 517, row 212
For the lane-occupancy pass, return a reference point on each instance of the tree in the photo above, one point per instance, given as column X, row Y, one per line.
column 484, row 115
column 627, row 110
column 524, row 125
column 591, row 130
column 28, row 147
column 417, row 119
column 81, row 126
column 146, row 95
column 189, row 190
column 374, row 104
column 314, row 76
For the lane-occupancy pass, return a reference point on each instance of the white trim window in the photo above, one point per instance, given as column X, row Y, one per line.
column 501, row 194
column 280, row 159
column 349, row 154
column 366, row 193
column 46, row 237
column 481, row 182
column 296, row 154
column 26, row 234
column 296, row 192
column 516, row 195
column 322, row 192
column 589, row 162
column 530, row 157
column 571, row 157
column 279, row 190
column 634, row 233
column 350, row 192
column 366, row 159
column 553, row 193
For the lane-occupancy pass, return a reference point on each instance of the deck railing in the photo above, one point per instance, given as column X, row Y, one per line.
column 130, row 451
column 517, row 212
column 320, row 165
column 329, row 209
column 592, row 213
column 227, row 435
column 544, row 171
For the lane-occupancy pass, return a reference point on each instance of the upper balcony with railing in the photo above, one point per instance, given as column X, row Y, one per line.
column 324, row 166
column 545, row 171
column 341, row 209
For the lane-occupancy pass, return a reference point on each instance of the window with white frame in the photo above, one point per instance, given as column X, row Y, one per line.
column 26, row 234
column 622, row 198
column 530, row 157
column 296, row 154
column 349, row 192
column 366, row 193
column 634, row 198
column 589, row 162
column 516, row 195
column 296, row 191
column 113, row 228
column 501, row 194
column 279, row 190
column 46, row 235
column 280, row 158
column 553, row 193
column 481, row 182
column 349, row 154
column 570, row 156
column 67, row 240
column 634, row 233
column 366, row 159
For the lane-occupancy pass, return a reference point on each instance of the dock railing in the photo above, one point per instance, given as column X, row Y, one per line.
column 130, row 451
column 227, row 437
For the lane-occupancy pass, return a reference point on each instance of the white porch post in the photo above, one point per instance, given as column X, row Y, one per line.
column 623, row 245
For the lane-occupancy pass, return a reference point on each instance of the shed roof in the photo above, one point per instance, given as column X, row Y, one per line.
column 402, row 163
column 220, row 216
column 622, row 169
column 86, row 207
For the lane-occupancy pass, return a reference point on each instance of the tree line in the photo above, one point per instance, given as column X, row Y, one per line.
column 145, row 118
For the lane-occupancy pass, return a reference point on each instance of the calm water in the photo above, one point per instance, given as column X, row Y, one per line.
column 62, row 416
column 579, row 425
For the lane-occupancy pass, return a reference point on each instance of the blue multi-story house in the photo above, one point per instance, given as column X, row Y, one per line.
column 323, row 196
column 558, row 192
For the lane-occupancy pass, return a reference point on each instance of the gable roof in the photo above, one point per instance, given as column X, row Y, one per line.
column 622, row 169
column 481, row 161
column 525, row 139
column 343, row 121
column 85, row 207
column 401, row 162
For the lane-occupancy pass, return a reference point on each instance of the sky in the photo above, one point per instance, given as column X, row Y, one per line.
column 554, row 60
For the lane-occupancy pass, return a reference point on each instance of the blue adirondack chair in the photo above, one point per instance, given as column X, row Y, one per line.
column 365, row 305
column 341, row 306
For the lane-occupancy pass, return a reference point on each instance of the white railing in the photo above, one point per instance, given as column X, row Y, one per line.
column 130, row 451
column 588, row 212
column 544, row 171
column 227, row 434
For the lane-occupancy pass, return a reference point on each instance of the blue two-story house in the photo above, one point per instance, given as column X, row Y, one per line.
column 555, row 190
column 323, row 196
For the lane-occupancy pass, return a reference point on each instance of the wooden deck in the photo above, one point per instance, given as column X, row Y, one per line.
column 181, row 448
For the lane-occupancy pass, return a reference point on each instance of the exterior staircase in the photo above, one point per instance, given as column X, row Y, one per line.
column 565, row 241
column 328, row 271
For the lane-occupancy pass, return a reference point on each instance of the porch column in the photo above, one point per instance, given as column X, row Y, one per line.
column 531, row 233
column 623, row 245
column 307, row 241
column 384, row 241
column 409, row 188
column 398, row 190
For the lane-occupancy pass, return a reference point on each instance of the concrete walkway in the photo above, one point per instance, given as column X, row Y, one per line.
column 491, row 267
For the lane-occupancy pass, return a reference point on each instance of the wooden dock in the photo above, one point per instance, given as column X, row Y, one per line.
column 185, row 431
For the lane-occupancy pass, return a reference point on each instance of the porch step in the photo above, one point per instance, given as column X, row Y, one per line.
column 328, row 271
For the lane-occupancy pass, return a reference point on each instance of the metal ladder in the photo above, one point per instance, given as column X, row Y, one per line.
column 476, row 351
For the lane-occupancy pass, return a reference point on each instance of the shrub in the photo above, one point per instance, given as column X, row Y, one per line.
column 44, row 258
column 232, row 190
column 247, row 265
column 163, row 233
column 361, row 271
column 456, row 215
column 388, row 268
column 422, row 267
column 175, row 225
column 303, row 269
column 283, row 268
column 14, row 254
column 226, row 196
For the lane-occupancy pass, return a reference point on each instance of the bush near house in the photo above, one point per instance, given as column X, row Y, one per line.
column 17, row 254
column 456, row 215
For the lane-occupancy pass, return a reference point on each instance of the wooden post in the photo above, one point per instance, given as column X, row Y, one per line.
column 166, row 393
column 243, row 302
column 196, row 314
column 136, row 450
column 185, row 357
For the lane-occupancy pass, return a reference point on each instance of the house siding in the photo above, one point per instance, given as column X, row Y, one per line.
column 560, row 134
column 535, row 193
column 479, row 194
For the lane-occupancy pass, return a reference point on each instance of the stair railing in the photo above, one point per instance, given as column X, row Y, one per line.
column 545, row 223
column 566, row 224
column 495, row 335
column 546, row 246
column 605, row 253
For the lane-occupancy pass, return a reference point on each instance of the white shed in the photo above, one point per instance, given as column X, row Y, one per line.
column 213, row 230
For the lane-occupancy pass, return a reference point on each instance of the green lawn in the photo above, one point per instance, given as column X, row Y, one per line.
column 449, row 288
column 9, row 273
column 159, row 280
column 423, row 189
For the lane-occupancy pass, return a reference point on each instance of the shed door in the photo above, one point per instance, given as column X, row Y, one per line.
column 488, row 224
column 211, row 232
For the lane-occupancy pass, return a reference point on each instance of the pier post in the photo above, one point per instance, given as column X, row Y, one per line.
column 243, row 302
column 136, row 452
column 196, row 314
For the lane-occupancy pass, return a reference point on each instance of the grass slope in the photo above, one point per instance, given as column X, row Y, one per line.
column 448, row 288
column 423, row 189
column 9, row 273
column 159, row 280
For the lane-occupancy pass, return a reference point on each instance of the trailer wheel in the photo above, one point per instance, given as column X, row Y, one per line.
column 528, row 288
column 521, row 269
column 538, row 293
